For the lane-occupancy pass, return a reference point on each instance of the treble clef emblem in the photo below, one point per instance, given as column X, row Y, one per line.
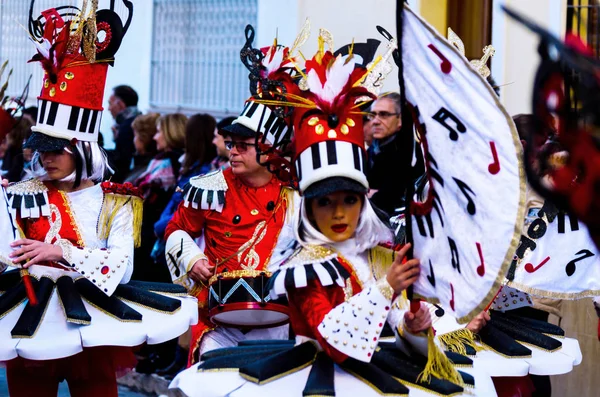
column 55, row 221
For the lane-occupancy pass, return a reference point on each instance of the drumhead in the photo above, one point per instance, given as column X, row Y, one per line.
column 250, row 318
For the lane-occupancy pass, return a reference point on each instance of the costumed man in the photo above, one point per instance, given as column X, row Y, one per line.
column 68, row 310
column 239, row 213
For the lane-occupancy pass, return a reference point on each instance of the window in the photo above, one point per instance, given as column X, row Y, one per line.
column 17, row 48
column 196, row 55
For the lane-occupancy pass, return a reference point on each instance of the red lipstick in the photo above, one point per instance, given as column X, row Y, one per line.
column 341, row 228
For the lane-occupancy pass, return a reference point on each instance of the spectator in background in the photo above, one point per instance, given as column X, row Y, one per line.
column 158, row 184
column 222, row 159
column 31, row 114
column 388, row 153
column 197, row 160
column 122, row 105
column 144, row 129
column 13, row 162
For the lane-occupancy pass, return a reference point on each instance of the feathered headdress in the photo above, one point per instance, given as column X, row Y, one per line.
column 75, row 47
column 325, row 105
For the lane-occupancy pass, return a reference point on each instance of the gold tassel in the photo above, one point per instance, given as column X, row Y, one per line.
column 111, row 206
column 137, row 205
column 438, row 364
column 380, row 260
column 456, row 341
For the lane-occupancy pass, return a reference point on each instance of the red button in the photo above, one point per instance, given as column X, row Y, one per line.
column 104, row 269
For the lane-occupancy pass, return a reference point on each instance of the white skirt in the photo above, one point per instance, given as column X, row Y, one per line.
column 217, row 383
column 56, row 338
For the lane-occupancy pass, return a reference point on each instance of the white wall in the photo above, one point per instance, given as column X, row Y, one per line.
column 345, row 19
column 276, row 17
column 516, row 59
column 132, row 64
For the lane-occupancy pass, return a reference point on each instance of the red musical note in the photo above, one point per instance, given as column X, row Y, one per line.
column 452, row 300
column 480, row 268
column 529, row 268
column 446, row 66
column 494, row 168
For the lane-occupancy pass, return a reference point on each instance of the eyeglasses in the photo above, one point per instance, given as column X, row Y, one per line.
column 241, row 147
column 382, row 115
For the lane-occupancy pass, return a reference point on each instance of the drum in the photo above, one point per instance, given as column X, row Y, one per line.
column 244, row 302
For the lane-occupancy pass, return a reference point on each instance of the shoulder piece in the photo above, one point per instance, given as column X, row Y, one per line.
column 120, row 197
column 30, row 197
column 123, row 189
column 206, row 192
column 307, row 264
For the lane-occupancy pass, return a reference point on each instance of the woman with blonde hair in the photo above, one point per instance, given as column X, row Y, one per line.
column 157, row 184
column 144, row 129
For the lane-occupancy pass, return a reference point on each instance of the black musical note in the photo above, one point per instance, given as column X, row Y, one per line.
column 444, row 114
column 465, row 189
column 432, row 168
column 436, row 205
column 431, row 276
column 454, row 253
column 571, row 267
column 366, row 51
column 439, row 311
column 421, row 224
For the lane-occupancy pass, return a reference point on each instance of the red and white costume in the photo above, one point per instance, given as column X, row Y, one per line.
column 85, row 301
column 240, row 227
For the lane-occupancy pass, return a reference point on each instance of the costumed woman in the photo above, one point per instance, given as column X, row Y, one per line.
column 342, row 287
column 67, row 308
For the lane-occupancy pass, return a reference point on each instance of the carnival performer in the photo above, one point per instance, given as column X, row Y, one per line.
column 239, row 213
column 342, row 286
column 68, row 311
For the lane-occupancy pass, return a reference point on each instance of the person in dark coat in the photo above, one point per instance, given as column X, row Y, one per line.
column 122, row 105
column 387, row 154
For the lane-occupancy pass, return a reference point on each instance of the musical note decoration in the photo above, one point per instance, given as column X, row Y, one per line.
column 472, row 164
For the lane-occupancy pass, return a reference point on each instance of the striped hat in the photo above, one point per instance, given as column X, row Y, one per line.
column 75, row 62
column 260, row 119
column 329, row 140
